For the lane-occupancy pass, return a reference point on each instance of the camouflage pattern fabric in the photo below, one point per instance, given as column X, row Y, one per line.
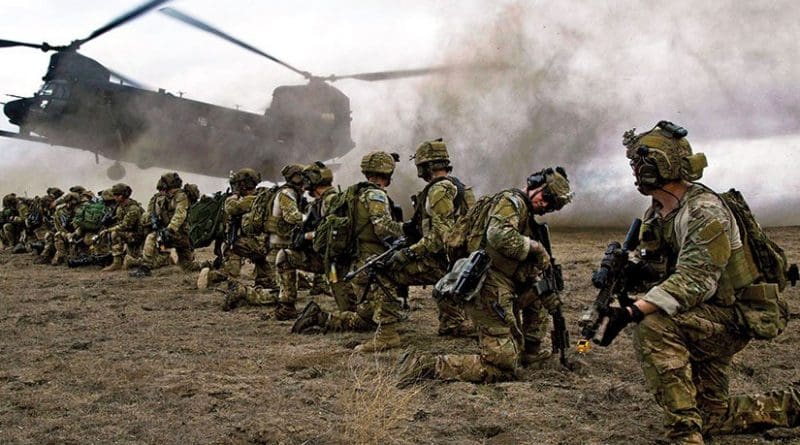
column 127, row 234
column 171, row 209
column 687, row 348
column 15, row 225
column 289, row 259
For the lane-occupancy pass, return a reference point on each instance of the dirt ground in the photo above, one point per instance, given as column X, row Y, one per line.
column 87, row 357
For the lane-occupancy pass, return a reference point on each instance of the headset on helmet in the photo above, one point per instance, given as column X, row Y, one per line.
column 169, row 181
column 662, row 155
column 293, row 173
column 316, row 175
column 245, row 179
column 554, row 183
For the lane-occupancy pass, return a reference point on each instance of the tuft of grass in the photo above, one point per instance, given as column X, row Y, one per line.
column 374, row 410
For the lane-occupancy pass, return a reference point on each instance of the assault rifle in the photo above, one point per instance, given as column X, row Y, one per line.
column 611, row 278
column 299, row 241
column 162, row 235
column 90, row 260
column 552, row 282
column 34, row 219
column 378, row 262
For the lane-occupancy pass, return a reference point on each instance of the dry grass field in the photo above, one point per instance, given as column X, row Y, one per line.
column 99, row 358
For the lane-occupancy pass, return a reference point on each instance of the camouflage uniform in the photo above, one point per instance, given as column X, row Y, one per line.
column 285, row 216
column 687, row 348
column 170, row 208
column 310, row 261
column 700, row 268
column 15, row 213
column 62, row 221
column 437, row 207
column 127, row 235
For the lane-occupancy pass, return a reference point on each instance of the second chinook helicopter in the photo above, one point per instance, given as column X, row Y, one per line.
column 80, row 106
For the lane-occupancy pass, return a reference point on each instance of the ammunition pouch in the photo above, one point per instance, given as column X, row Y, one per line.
column 762, row 311
column 465, row 279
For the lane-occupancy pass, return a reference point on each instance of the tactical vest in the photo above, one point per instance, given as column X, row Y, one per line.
column 367, row 240
column 123, row 210
column 660, row 249
column 421, row 218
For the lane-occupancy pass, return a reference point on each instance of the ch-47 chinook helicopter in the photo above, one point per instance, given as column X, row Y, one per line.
column 79, row 106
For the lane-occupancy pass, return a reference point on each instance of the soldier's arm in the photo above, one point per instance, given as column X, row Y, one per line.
column 502, row 233
column 289, row 210
column 181, row 209
column 238, row 205
column 441, row 206
column 23, row 211
column 704, row 253
column 380, row 215
column 129, row 220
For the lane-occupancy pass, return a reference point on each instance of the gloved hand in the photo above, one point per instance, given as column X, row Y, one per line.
column 399, row 259
column 539, row 254
column 618, row 318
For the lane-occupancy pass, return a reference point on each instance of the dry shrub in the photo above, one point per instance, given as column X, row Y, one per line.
column 374, row 410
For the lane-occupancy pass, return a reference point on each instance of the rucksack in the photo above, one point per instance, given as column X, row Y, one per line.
column 254, row 222
column 769, row 257
column 336, row 236
column 89, row 216
column 205, row 219
column 764, row 310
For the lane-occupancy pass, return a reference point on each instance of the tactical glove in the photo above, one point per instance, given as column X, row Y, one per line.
column 618, row 318
column 399, row 259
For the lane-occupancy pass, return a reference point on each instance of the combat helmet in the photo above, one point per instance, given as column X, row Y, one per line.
column 431, row 155
column 71, row 198
column 379, row 162
column 555, row 186
column 293, row 173
column 245, row 179
column 106, row 195
column 662, row 154
column 54, row 192
column 316, row 175
column 10, row 200
column 121, row 189
column 169, row 181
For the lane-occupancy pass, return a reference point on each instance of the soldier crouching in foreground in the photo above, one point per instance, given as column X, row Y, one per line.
column 509, row 236
column 699, row 276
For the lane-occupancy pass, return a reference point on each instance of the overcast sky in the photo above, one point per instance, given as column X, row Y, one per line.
column 725, row 71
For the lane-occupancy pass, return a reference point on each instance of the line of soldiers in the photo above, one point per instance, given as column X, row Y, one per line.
column 694, row 270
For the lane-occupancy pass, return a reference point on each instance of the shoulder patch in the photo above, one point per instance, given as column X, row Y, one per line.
column 376, row 195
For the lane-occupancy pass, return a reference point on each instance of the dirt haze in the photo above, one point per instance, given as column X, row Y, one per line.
column 104, row 358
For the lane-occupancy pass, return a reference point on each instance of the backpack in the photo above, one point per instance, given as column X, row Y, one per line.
column 336, row 236
column 764, row 311
column 205, row 219
column 89, row 216
column 460, row 201
column 254, row 222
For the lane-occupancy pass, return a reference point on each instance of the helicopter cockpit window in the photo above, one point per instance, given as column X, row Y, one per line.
column 54, row 89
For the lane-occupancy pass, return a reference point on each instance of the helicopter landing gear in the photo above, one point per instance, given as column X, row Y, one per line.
column 115, row 172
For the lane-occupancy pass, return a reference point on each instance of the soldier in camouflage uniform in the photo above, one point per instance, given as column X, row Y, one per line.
column 436, row 208
column 318, row 181
column 15, row 213
column 62, row 220
column 167, row 210
column 85, row 241
column 694, row 267
column 127, row 234
column 283, row 214
column 381, row 308
column 506, row 314
column 40, row 225
column 246, row 243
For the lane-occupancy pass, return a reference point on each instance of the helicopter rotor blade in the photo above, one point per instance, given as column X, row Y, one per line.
column 399, row 74
column 125, row 18
column 11, row 43
column 191, row 21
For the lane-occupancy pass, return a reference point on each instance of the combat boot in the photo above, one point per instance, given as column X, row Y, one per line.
column 311, row 320
column 19, row 248
column 533, row 357
column 462, row 330
column 235, row 295
column 285, row 311
column 57, row 260
column 413, row 367
column 319, row 286
column 140, row 272
column 115, row 265
column 386, row 337
column 209, row 276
